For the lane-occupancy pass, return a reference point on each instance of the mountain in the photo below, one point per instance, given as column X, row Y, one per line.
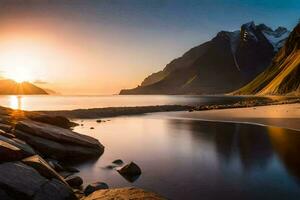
column 283, row 75
column 10, row 87
column 223, row 64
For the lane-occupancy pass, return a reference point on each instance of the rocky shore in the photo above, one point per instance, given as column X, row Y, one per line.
column 97, row 113
column 35, row 150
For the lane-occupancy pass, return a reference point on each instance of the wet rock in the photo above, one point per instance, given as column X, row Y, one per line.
column 54, row 189
column 20, row 180
column 74, row 181
column 58, row 143
column 110, row 167
column 4, row 195
column 9, row 152
column 65, row 174
column 6, row 134
column 55, row 165
column 5, row 127
column 13, row 150
column 70, row 169
column 94, row 187
column 131, row 169
column 53, row 120
column 40, row 165
column 124, row 193
column 118, row 162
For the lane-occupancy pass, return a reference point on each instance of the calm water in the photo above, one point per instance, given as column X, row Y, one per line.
column 76, row 102
column 186, row 159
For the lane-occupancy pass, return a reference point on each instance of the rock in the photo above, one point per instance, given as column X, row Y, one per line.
column 53, row 120
column 40, row 165
column 6, row 134
column 99, row 121
column 66, row 174
column 57, row 134
column 74, row 181
column 55, row 165
column 23, row 182
column 58, row 143
column 110, row 167
column 118, row 162
column 9, row 152
column 130, row 172
column 13, row 150
column 54, row 190
column 94, row 187
column 5, row 127
column 20, row 180
column 4, row 195
column 92, row 128
column 70, row 169
column 124, row 193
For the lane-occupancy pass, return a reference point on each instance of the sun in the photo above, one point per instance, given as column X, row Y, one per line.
column 19, row 74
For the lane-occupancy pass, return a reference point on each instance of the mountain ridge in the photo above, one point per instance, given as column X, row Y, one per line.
column 221, row 65
column 283, row 75
column 10, row 87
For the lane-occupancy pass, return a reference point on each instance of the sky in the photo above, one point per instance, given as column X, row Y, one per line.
column 102, row 46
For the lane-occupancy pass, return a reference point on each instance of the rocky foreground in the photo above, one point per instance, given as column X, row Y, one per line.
column 34, row 152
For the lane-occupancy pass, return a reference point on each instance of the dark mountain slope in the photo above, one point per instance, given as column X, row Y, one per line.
column 283, row 75
column 10, row 87
column 225, row 63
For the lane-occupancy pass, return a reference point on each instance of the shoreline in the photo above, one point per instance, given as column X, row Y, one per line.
column 280, row 115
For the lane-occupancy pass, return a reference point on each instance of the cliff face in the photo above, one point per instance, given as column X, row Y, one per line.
column 9, row 87
column 227, row 62
column 283, row 75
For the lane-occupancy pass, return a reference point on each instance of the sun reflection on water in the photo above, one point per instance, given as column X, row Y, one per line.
column 16, row 102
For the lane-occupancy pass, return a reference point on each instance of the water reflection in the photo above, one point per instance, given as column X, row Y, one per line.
column 211, row 160
column 16, row 102
column 254, row 146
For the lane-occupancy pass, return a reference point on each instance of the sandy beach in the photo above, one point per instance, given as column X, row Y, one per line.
column 285, row 116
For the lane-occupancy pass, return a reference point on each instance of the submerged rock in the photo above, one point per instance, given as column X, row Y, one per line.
column 130, row 172
column 124, row 193
column 58, row 143
column 94, row 187
column 118, row 162
column 74, row 181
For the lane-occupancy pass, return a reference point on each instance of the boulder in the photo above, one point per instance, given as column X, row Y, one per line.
column 94, row 187
column 13, row 149
column 5, row 127
column 9, row 152
column 57, row 134
column 74, row 181
column 4, row 195
column 55, row 165
column 123, row 193
column 40, row 165
column 59, row 151
column 118, row 162
column 20, row 181
column 53, row 120
column 58, row 143
column 130, row 172
column 54, row 190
